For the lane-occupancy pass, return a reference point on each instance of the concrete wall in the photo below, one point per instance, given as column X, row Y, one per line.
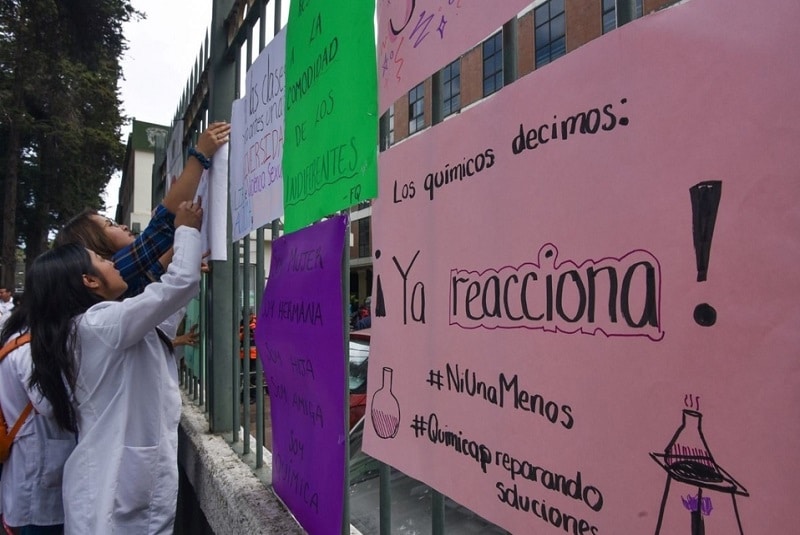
column 232, row 498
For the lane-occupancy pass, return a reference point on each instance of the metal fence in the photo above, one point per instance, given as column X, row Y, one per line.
column 224, row 376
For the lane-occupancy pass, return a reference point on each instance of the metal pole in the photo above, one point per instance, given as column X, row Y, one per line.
column 385, row 498
column 437, row 513
column 247, row 364
column 236, row 363
column 244, row 344
column 260, row 277
column 202, row 387
column 221, row 78
column 346, row 386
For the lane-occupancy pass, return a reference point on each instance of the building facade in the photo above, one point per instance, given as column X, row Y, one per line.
column 135, row 202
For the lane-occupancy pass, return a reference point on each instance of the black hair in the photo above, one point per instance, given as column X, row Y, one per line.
column 54, row 295
column 17, row 322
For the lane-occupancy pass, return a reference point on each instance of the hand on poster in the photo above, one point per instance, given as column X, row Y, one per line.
column 212, row 138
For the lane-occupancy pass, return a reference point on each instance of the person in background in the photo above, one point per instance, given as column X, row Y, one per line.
column 142, row 259
column 110, row 375
column 6, row 304
column 365, row 319
column 249, row 367
column 30, row 486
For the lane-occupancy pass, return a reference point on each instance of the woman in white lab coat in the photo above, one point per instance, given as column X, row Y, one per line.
column 30, row 485
column 121, row 375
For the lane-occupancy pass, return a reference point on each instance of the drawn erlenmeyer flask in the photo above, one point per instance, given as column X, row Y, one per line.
column 687, row 455
column 385, row 408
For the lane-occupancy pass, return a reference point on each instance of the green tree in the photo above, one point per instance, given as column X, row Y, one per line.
column 60, row 117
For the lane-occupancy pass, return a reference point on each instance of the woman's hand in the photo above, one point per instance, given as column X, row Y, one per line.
column 187, row 339
column 189, row 214
column 212, row 138
column 185, row 188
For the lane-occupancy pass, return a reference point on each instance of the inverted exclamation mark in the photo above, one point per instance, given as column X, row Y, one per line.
column 380, row 302
column 705, row 202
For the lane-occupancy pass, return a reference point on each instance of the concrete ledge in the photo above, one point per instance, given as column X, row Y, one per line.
column 233, row 499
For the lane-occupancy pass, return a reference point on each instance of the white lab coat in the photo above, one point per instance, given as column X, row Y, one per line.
column 31, row 480
column 122, row 476
column 5, row 310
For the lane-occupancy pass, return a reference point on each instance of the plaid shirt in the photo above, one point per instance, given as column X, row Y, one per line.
column 138, row 262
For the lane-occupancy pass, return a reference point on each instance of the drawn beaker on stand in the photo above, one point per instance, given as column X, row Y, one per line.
column 688, row 459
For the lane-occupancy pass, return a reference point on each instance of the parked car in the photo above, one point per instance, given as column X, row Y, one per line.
column 359, row 355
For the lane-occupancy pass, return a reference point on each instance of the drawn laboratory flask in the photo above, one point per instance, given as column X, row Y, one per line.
column 687, row 454
column 385, row 408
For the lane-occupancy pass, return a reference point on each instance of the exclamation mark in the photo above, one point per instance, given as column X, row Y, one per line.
column 705, row 202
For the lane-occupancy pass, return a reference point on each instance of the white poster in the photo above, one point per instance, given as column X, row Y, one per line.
column 214, row 198
column 174, row 154
column 258, row 133
column 241, row 203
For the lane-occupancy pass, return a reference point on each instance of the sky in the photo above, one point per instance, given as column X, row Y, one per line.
column 162, row 49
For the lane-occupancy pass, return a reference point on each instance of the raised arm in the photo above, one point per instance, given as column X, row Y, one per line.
column 123, row 323
column 184, row 189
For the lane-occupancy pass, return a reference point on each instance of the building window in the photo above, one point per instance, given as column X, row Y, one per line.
column 610, row 13
column 391, row 125
column 451, row 88
column 551, row 42
column 493, row 64
column 386, row 128
column 416, row 108
column 363, row 238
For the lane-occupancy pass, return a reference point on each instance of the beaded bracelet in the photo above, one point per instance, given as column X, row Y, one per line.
column 202, row 158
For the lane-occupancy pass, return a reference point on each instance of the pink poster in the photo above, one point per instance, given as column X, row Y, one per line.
column 417, row 37
column 586, row 287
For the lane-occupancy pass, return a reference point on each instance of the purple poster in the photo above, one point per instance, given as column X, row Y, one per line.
column 300, row 336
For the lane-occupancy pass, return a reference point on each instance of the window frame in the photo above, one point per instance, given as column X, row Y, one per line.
column 390, row 125
column 494, row 58
column 451, row 100
column 638, row 10
column 416, row 101
column 544, row 53
column 364, row 232
column 608, row 13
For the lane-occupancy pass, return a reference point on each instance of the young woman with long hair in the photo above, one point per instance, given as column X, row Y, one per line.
column 30, row 486
column 104, row 373
column 110, row 377
column 140, row 259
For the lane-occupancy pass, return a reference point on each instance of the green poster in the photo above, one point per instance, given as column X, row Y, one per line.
column 331, row 137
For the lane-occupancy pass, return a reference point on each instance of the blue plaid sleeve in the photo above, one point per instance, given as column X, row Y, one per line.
column 135, row 261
